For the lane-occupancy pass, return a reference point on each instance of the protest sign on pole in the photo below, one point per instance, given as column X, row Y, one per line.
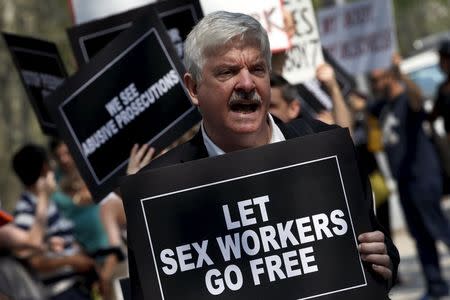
column 41, row 70
column 314, row 96
column 274, row 222
column 360, row 35
column 305, row 54
column 85, row 11
column 269, row 13
column 131, row 92
column 178, row 16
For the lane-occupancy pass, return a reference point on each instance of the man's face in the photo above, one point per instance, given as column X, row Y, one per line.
column 379, row 83
column 234, row 93
column 278, row 106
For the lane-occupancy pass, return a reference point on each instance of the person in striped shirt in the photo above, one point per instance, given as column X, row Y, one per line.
column 59, row 270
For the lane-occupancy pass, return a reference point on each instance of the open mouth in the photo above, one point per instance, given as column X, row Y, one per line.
column 244, row 106
column 242, row 102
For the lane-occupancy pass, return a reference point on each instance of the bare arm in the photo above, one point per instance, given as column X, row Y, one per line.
column 79, row 262
column 112, row 215
column 414, row 92
column 341, row 113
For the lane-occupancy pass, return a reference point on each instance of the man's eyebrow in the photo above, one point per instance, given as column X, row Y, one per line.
column 224, row 65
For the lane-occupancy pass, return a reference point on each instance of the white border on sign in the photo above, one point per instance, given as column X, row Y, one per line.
column 93, row 78
column 252, row 175
column 178, row 9
column 41, row 53
column 84, row 38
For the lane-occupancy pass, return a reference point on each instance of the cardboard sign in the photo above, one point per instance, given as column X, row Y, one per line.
column 306, row 53
column 41, row 70
column 178, row 16
column 86, row 11
column 275, row 222
column 360, row 36
column 269, row 13
column 130, row 93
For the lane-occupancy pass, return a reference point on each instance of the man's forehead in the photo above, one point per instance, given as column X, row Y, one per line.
column 228, row 53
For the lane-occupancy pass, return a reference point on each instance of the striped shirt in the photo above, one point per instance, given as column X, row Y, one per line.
column 61, row 279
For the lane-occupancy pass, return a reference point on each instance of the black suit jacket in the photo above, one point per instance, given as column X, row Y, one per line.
column 195, row 149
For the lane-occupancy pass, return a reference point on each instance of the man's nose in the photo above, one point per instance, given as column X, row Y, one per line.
column 245, row 82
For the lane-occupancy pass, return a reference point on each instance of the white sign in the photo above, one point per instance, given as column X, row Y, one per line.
column 89, row 10
column 360, row 36
column 306, row 52
column 268, row 12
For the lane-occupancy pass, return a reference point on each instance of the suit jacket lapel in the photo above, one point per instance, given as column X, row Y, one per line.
column 195, row 149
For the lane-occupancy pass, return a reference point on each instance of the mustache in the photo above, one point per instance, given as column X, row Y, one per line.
column 242, row 97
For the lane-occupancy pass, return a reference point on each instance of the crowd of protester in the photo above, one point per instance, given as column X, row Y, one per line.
column 61, row 245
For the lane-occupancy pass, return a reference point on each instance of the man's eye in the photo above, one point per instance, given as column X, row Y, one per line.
column 225, row 72
column 259, row 70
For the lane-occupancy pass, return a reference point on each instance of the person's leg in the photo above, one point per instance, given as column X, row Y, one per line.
column 429, row 204
column 425, row 244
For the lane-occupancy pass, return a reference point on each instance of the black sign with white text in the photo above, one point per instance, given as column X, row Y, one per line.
column 41, row 70
column 276, row 222
column 130, row 93
column 178, row 16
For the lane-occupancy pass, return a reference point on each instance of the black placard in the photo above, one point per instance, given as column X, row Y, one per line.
column 308, row 188
column 41, row 70
column 315, row 97
column 178, row 16
column 345, row 80
column 131, row 92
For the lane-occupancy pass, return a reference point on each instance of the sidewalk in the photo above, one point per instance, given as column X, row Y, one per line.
column 412, row 286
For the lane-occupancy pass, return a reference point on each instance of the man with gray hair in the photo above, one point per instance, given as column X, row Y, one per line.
column 228, row 59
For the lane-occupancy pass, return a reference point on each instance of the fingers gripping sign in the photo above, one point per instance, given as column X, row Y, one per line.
column 372, row 249
column 139, row 158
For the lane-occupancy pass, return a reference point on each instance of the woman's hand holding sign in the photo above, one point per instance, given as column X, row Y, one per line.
column 139, row 158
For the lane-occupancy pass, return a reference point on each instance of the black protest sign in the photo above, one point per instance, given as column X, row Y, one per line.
column 130, row 93
column 315, row 95
column 345, row 80
column 276, row 222
column 41, row 70
column 178, row 16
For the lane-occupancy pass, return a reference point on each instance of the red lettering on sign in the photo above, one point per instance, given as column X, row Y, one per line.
column 265, row 17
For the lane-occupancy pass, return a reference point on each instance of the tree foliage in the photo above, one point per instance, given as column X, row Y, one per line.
column 40, row 19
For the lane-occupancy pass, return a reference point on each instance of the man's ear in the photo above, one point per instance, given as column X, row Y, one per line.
column 191, row 85
column 294, row 109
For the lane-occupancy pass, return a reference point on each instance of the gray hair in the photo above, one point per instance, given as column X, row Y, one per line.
column 216, row 30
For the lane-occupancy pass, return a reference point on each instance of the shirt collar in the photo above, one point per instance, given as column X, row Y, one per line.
column 214, row 150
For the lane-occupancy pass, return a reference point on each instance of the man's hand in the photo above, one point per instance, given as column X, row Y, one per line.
column 139, row 158
column 46, row 185
column 372, row 249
